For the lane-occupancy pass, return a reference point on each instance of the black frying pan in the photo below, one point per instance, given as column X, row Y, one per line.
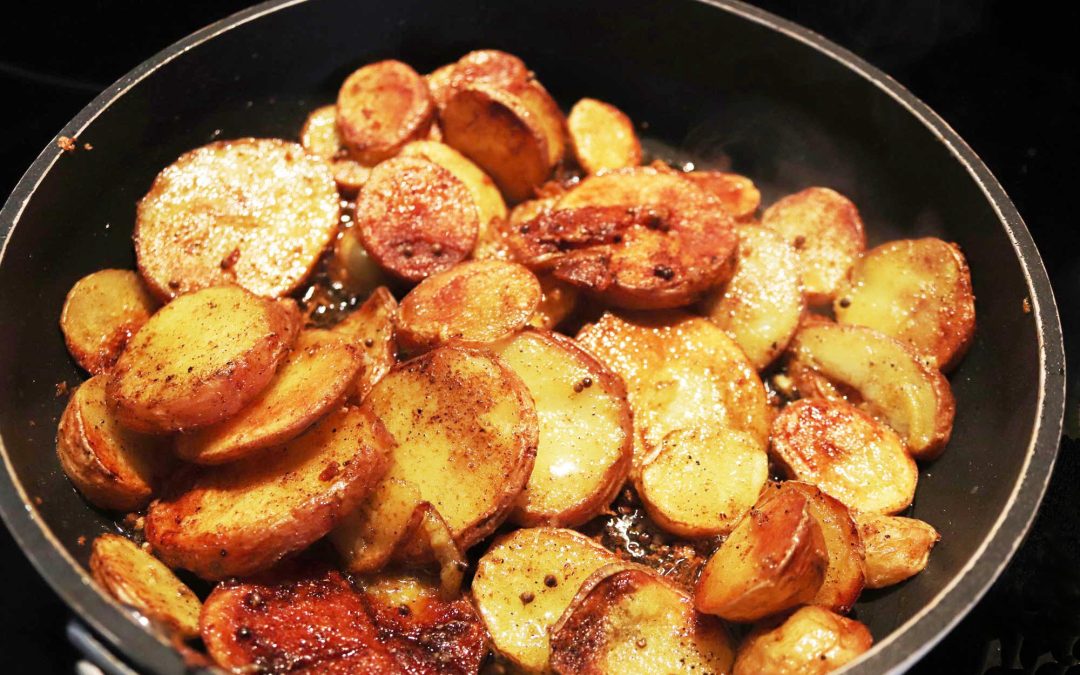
column 722, row 82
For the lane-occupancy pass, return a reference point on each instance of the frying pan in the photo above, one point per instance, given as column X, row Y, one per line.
column 719, row 82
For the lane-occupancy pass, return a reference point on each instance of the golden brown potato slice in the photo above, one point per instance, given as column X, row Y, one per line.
column 139, row 580
column 812, row 641
column 101, row 313
column 415, row 218
column 546, row 115
column 586, row 435
column 201, row 359
column 466, row 434
column 352, row 268
column 774, row 559
column 476, row 302
column 367, row 537
column 846, row 453
column 312, row 379
column 737, row 193
column 896, row 548
column 255, row 212
column 320, row 137
column 557, row 301
column 825, row 228
column 380, row 108
column 525, row 582
column 371, row 328
column 112, row 467
column 634, row 621
column 762, row 305
column 243, row 517
column 883, row 376
column 488, row 200
column 484, row 66
column 602, row 136
column 917, row 291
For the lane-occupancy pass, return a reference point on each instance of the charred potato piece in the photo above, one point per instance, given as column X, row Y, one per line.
column 602, row 136
column 139, row 580
column 488, row 200
column 484, row 66
column 557, row 301
column 367, row 537
column 371, row 328
column 896, row 548
column 243, row 517
column 101, row 313
column 254, row 212
column 320, row 137
column 353, row 268
column 380, row 108
column 201, row 359
column 917, row 291
column 812, row 641
column 737, row 193
column 825, row 228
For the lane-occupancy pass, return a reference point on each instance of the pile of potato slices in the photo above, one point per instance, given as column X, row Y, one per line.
column 458, row 383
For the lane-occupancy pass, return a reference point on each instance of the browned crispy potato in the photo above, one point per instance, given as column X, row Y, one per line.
column 254, row 212
column 634, row 621
column 352, row 268
column 139, row 580
column 367, row 537
column 201, row 359
column 812, row 641
column 825, row 228
column 488, row 200
column 476, row 302
column 586, row 434
column 311, row 380
column 320, row 137
column 845, row 452
column 243, row 517
column 602, row 136
column 371, row 328
column 557, row 301
column 896, row 548
column 546, row 115
column 484, row 66
column 380, row 108
column 762, row 305
column 112, row 467
column 525, row 582
column 101, row 313
column 879, row 374
column 774, row 559
column 415, row 218
column 737, row 193
column 917, row 291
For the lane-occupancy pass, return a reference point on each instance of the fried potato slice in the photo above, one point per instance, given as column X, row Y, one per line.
column 762, row 305
column 488, row 200
column 634, row 621
column 201, row 359
column 311, row 380
column 380, row 108
column 371, row 328
column 367, row 537
column 525, row 582
column 484, row 66
column 243, row 517
column 139, row 580
column 846, row 453
column 825, row 228
column 775, row 559
column 415, row 218
column 255, row 212
column 466, row 434
column 897, row 548
column 586, row 435
column 557, row 301
column 112, row 467
column 917, row 291
column 602, row 136
column 812, row 641
column 320, row 137
column 101, row 313
column 476, row 302
column 437, row 540
column 737, row 193
column 883, row 376
column 352, row 267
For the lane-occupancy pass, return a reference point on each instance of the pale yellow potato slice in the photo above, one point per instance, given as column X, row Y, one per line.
column 380, row 108
column 557, row 301
column 436, row 538
column 737, row 193
column 897, row 548
column 812, row 641
column 320, row 137
column 602, row 136
column 368, row 536
column 489, row 201
column 101, row 313
column 371, row 328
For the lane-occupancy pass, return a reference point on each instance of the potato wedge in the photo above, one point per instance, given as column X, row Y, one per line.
column 371, row 328
column 557, row 301
column 602, row 136
column 846, row 453
column 886, row 376
column 825, row 228
column 917, row 291
column 243, row 517
column 484, row 66
column 476, row 302
column 633, row 621
column 585, row 430
column 737, row 193
column 254, row 212
column 380, row 108
column 311, row 380
column 896, row 548
column 775, row 559
column 352, row 267
column 525, row 582
column 139, row 580
column 812, row 641
column 367, row 537
column 415, row 218
column 488, row 200
column 762, row 305
column 101, row 313
column 320, row 137
column 112, row 467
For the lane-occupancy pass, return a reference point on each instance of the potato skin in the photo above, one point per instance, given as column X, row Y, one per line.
column 101, row 313
column 380, row 108
column 812, row 641
column 896, row 548
column 602, row 136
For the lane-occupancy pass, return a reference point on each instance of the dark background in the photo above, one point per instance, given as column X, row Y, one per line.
column 1004, row 74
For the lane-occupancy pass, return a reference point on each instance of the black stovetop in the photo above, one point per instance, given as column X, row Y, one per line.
column 1001, row 73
